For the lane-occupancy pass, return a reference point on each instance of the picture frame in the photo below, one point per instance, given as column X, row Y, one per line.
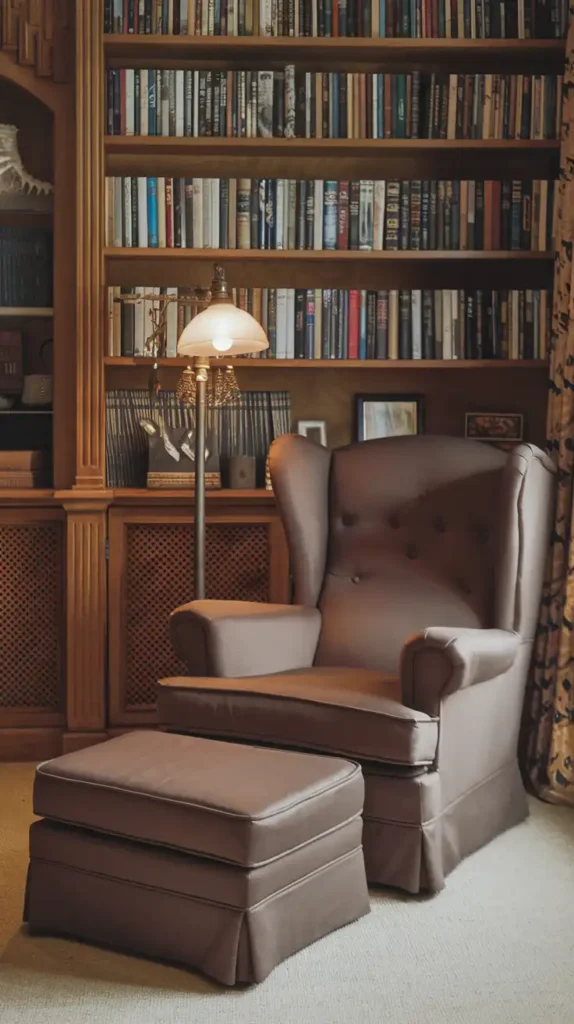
column 499, row 428
column 379, row 416
column 315, row 430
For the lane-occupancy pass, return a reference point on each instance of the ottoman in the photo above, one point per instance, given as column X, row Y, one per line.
column 223, row 857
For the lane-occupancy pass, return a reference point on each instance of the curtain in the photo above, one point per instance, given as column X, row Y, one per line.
column 548, row 759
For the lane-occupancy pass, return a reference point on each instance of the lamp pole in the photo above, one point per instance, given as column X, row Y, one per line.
column 219, row 329
column 201, row 371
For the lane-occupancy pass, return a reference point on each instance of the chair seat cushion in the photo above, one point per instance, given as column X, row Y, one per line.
column 355, row 712
column 231, row 802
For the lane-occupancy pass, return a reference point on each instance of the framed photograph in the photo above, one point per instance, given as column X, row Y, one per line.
column 315, row 430
column 388, row 416
column 501, row 428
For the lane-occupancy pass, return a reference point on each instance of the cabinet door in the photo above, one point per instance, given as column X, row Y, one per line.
column 32, row 617
column 151, row 573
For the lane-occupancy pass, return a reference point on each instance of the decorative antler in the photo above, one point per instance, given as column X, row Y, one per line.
column 14, row 179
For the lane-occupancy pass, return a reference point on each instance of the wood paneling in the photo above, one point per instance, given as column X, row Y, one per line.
column 30, row 744
column 89, row 280
column 86, row 615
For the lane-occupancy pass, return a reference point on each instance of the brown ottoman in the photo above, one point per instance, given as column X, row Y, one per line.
column 223, row 857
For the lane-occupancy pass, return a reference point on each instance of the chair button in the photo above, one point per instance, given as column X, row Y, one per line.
column 412, row 551
column 355, row 579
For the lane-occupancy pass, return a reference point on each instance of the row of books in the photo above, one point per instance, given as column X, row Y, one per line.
column 463, row 19
column 336, row 324
column 26, row 267
column 246, row 428
column 264, row 213
column 331, row 105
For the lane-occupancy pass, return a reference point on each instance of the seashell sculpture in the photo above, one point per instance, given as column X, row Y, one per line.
column 14, row 179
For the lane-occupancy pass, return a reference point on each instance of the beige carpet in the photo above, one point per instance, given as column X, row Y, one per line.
column 494, row 948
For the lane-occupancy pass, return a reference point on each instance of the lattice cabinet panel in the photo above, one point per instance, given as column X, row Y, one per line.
column 154, row 573
column 31, row 615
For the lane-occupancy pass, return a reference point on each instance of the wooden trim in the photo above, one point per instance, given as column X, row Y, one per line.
column 30, row 744
column 9, row 516
column 16, row 498
column 24, row 77
column 342, row 364
column 143, row 496
column 30, row 718
column 86, row 616
column 528, row 55
column 90, row 456
column 306, row 158
column 327, row 269
column 64, row 324
column 72, row 741
column 117, row 566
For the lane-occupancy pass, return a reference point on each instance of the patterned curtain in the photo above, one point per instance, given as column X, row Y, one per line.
column 548, row 758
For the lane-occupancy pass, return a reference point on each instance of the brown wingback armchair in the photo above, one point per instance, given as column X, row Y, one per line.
column 417, row 567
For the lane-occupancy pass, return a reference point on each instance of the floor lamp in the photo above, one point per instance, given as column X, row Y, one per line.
column 219, row 330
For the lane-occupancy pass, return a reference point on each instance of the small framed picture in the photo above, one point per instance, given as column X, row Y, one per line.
column 501, row 428
column 315, row 430
column 388, row 416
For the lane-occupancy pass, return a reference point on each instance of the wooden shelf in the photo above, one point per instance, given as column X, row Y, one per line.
column 26, row 311
column 534, row 56
column 341, row 364
column 25, row 219
column 310, row 158
column 310, row 268
column 181, row 495
column 26, row 496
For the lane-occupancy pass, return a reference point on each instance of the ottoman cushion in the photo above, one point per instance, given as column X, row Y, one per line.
column 241, row 804
column 219, row 856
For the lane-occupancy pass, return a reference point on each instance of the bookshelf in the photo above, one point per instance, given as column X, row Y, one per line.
column 476, row 382
column 113, row 559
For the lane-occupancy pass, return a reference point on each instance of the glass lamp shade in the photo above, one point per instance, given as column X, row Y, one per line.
column 222, row 330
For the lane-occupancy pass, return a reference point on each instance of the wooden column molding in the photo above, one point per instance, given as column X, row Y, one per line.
column 86, row 616
column 90, row 417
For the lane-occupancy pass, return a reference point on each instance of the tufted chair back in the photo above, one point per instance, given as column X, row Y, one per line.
column 392, row 536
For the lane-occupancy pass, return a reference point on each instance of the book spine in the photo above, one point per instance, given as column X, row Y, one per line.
column 330, row 225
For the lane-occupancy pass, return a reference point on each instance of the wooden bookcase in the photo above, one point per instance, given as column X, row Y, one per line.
column 327, row 387
column 111, row 550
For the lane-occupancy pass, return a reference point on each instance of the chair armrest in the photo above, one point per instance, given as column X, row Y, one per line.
column 244, row 638
column 442, row 660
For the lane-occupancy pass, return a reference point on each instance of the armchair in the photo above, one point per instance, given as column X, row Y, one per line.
column 417, row 566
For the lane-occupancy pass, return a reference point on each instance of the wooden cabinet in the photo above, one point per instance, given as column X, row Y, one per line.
column 151, row 573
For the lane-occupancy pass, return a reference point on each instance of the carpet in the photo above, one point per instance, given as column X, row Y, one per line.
column 494, row 948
